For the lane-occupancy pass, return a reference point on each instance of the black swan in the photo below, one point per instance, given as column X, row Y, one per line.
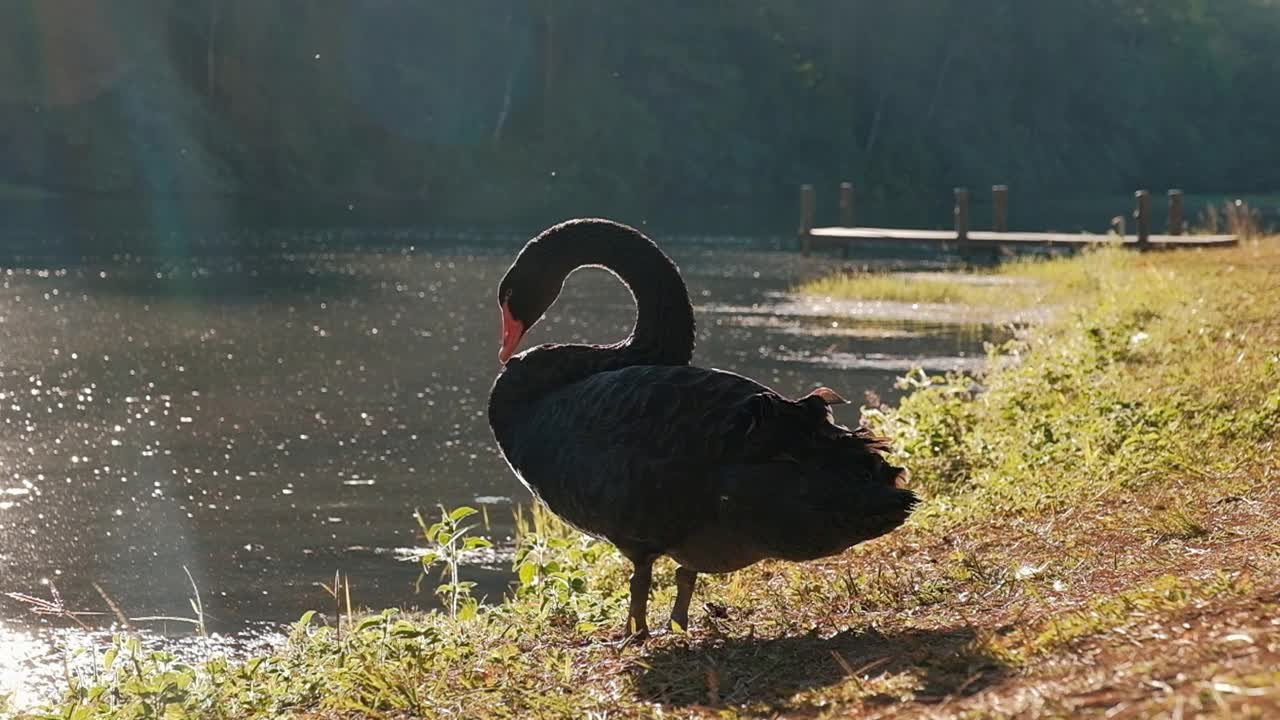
column 629, row 443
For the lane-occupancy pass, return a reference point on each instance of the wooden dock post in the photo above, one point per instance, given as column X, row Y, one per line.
column 846, row 204
column 962, row 214
column 1175, row 212
column 1142, row 217
column 1000, row 208
column 808, row 203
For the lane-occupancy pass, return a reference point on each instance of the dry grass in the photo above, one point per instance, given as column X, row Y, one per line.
column 1233, row 216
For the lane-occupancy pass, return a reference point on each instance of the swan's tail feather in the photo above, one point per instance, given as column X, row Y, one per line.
column 812, row 487
column 798, row 512
column 805, row 430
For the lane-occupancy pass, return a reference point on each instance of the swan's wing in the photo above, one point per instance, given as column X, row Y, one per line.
column 629, row 454
column 657, row 416
column 622, row 448
column 683, row 419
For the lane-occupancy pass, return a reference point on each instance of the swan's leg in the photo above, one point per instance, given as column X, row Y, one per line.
column 637, row 625
column 685, row 580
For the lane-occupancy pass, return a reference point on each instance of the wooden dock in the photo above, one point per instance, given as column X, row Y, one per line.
column 999, row 237
column 836, row 235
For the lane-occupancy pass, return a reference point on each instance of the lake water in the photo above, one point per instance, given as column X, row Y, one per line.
column 266, row 422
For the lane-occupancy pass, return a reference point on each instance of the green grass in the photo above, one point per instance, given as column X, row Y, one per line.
column 1018, row 283
column 1141, row 381
column 1097, row 510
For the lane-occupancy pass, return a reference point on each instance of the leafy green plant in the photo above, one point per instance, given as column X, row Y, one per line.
column 557, row 565
column 450, row 541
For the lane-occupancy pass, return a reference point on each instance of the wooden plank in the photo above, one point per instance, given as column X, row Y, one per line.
column 842, row 234
column 867, row 233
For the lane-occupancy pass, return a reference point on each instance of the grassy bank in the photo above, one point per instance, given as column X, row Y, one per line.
column 1022, row 283
column 1100, row 536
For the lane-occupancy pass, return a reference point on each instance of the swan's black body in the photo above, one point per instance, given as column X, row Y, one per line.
column 632, row 444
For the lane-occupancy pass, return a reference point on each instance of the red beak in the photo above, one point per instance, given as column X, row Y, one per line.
column 512, row 332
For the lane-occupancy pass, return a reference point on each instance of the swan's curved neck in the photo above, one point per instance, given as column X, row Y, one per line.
column 663, row 333
column 664, row 329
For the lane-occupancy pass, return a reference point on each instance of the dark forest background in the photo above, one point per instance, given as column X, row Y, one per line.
column 686, row 115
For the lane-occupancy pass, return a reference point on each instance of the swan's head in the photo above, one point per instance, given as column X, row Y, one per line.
column 531, row 284
column 534, row 280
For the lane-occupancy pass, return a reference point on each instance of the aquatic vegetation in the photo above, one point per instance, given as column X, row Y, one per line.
column 1100, row 499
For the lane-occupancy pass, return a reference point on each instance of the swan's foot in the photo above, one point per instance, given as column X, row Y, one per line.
column 637, row 628
column 626, row 638
column 685, row 581
column 632, row 637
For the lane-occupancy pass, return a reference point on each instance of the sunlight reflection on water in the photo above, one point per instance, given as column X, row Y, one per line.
column 20, row 654
column 35, row 664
